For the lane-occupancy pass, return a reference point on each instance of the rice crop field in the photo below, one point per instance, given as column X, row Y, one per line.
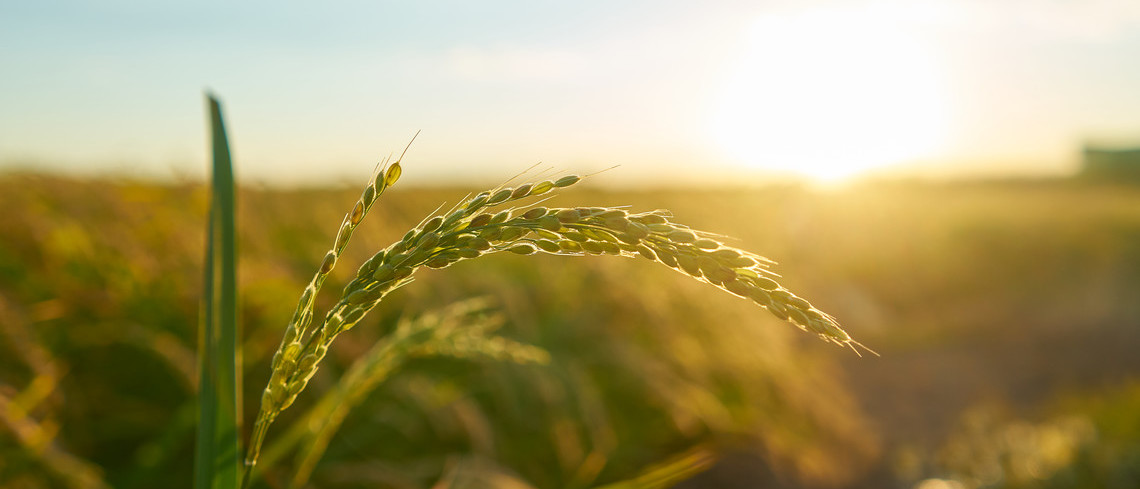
column 1006, row 316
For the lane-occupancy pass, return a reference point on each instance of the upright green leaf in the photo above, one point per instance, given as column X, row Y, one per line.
column 216, row 463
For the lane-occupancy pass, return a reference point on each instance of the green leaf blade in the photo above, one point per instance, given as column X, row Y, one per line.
column 216, row 463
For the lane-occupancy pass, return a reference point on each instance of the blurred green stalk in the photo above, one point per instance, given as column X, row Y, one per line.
column 216, row 459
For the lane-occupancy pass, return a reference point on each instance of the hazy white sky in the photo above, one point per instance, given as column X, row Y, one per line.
column 712, row 90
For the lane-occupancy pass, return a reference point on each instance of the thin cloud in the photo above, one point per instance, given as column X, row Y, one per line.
column 1046, row 20
column 513, row 64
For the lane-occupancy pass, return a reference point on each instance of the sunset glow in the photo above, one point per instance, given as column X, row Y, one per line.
column 830, row 93
column 759, row 91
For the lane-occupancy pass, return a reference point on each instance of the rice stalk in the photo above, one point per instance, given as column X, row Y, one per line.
column 496, row 221
column 459, row 330
column 300, row 327
column 669, row 472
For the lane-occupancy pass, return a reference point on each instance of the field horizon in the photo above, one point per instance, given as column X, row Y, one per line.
column 1010, row 300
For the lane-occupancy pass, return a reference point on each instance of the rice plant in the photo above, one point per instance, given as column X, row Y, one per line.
column 507, row 218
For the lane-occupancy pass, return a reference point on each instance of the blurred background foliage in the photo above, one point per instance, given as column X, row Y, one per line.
column 1005, row 313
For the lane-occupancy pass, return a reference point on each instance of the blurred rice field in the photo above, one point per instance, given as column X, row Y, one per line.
column 1007, row 316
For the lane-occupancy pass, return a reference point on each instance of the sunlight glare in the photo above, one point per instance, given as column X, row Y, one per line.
column 830, row 93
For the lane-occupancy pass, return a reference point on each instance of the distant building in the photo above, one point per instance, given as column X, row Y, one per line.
column 1111, row 164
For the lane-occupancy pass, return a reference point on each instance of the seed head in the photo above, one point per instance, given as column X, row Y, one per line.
column 512, row 233
column 433, row 224
column 499, row 196
column 523, row 249
column 369, row 195
column 725, row 254
column 369, row 266
column 599, row 235
column 610, row 248
column 628, row 238
column 549, row 223
column 617, row 223
column 365, row 295
column 383, row 273
column 567, row 181
column 438, row 262
column 574, row 235
column 779, row 310
column 407, row 239
column 491, row 233
column 834, row 331
column 289, row 354
column 308, row 362
column 681, row 236
column 765, row 283
column 638, row 230
column 397, row 258
column 353, row 317
column 568, row 216
column 719, row 274
column 428, row 241
column 544, row 234
column 379, row 183
column 569, row 246
column 797, row 316
column 290, row 333
column 534, row 213
column 521, row 191
column 593, row 247
column 333, row 322
column 479, row 221
column 442, row 241
column 646, row 252
column 357, row 213
column 328, row 263
column 542, row 187
column 706, row 244
column 272, row 397
column 478, row 243
column 343, row 235
column 737, row 287
column 797, row 302
column 306, row 296
column 689, row 265
column 649, row 219
column 402, row 272
column 393, row 174
column 548, row 246
column 760, row 296
column 478, row 201
column 740, row 262
column 781, row 294
column 295, row 387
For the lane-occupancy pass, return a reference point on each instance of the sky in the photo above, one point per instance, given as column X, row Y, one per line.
column 674, row 92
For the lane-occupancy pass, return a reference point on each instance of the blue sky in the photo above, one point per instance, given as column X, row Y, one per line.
column 671, row 91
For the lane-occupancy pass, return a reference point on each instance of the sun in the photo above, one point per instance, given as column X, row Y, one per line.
column 829, row 94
